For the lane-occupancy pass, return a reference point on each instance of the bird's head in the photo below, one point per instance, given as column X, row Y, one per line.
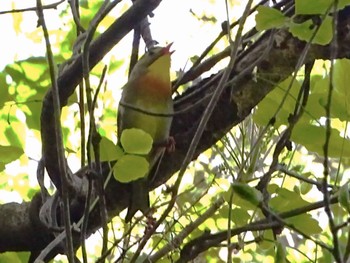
column 155, row 62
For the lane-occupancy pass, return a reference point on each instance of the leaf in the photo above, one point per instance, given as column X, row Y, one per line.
column 130, row 167
column 304, row 31
column 240, row 217
column 305, row 187
column 313, row 137
column 9, row 257
column 344, row 198
column 114, row 64
column 109, row 151
column 15, row 133
column 305, row 223
column 308, row 7
column 267, row 107
column 280, row 256
column 286, row 200
column 266, row 243
column 341, row 80
column 136, row 141
column 268, row 18
column 17, row 21
column 4, row 91
column 35, row 68
column 10, row 153
column 247, row 193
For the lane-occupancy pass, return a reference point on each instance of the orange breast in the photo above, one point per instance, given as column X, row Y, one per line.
column 150, row 85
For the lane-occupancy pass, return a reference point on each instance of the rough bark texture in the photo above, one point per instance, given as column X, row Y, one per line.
column 277, row 55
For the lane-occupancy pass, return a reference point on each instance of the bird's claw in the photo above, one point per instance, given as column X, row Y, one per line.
column 170, row 147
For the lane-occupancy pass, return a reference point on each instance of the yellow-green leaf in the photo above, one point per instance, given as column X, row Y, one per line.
column 309, row 7
column 136, row 141
column 304, row 31
column 130, row 167
column 305, row 223
column 109, row 151
column 10, row 153
column 280, row 256
column 344, row 198
column 247, row 193
column 268, row 18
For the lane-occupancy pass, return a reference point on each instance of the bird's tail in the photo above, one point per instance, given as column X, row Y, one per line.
column 139, row 198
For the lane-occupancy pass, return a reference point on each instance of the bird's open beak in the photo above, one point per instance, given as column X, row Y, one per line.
column 166, row 49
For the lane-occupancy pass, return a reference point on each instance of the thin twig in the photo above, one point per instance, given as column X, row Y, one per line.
column 36, row 9
column 94, row 137
column 186, row 76
column 74, row 5
column 177, row 241
column 58, row 134
column 334, row 47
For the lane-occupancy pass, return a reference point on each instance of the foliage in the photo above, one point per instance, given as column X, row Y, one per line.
column 221, row 191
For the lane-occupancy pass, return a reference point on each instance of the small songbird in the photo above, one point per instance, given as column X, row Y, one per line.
column 148, row 90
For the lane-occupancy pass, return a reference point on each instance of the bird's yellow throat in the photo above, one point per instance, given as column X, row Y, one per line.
column 160, row 69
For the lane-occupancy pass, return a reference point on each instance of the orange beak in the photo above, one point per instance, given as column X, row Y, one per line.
column 166, row 49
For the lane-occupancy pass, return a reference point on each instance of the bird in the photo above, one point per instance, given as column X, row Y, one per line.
column 146, row 94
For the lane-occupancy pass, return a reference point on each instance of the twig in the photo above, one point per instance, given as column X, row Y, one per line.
column 177, row 241
column 64, row 176
column 50, row 6
column 283, row 169
column 74, row 5
column 94, row 137
column 234, row 51
column 203, row 243
column 334, row 47
column 193, row 71
column 135, row 49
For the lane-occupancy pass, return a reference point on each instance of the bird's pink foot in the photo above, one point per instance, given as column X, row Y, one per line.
column 170, row 147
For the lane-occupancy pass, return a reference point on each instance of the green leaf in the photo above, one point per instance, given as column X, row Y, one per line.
column 268, row 18
column 280, row 256
column 304, row 31
column 15, row 133
column 136, row 141
column 130, row 167
column 305, row 223
column 313, row 137
column 344, row 198
column 114, row 65
column 10, row 257
column 309, row 7
column 247, row 193
column 34, row 68
column 266, row 243
column 240, row 216
column 286, row 200
column 341, row 80
column 267, row 107
column 109, row 151
column 305, row 188
column 4, row 91
column 10, row 153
